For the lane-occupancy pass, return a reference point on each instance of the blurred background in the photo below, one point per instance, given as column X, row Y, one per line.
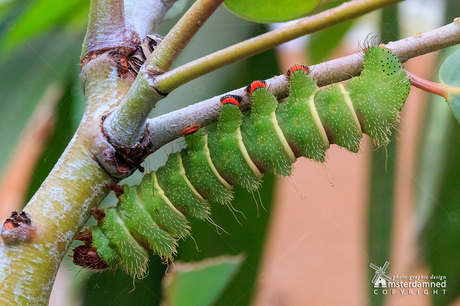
column 310, row 238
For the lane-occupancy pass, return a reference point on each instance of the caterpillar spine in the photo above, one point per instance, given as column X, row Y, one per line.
column 238, row 150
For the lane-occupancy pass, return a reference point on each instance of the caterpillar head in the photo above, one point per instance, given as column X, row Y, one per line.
column 296, row 68
column 231, row 99
column 381, row 59
column 256, row 85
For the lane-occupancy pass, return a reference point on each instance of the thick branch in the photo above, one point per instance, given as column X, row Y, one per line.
column 168, row 127
column 107, row 28
column 32, row 252
column 146, row 15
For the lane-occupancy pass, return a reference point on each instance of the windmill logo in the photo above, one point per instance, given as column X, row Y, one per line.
column 380, row 278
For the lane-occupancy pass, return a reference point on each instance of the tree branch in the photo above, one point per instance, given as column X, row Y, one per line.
column 146, row 15
column 180, row 35
column 32, row 251
column 168, row 127
column 107, row 28
column 126, row 124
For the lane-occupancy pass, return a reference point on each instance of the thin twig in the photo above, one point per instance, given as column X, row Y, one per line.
column 434, row 88
column 185, row 73
column 180, row 35
column 168, row 127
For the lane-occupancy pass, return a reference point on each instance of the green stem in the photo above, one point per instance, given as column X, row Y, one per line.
column 180, row 35
column 183, row 74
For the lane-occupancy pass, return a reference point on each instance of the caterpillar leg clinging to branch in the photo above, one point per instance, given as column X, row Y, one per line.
column 238, row 150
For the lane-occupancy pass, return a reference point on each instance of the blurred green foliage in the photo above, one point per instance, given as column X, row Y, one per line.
column 267, row 11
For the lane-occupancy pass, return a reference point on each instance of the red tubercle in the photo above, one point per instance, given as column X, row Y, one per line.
column 192, row 128
column 86, row 236
column 295, row 68
column 98, row 213
column 117, row 189
column 231, row 99
column 87, row 257
column 255, row 85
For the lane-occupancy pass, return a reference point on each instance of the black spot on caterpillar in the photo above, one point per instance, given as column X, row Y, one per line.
column 238, row 150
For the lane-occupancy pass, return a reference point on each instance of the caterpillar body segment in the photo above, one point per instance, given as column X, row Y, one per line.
column 228, row 152
column 265, row 141
column 338, row 117
column 160, row 209
column 379, row 93
column 200, row 169
column 129, row 254
column 177, row 188
column 299, row 118
column 237, row 150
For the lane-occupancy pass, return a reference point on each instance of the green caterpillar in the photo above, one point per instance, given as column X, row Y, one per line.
column 238, row 150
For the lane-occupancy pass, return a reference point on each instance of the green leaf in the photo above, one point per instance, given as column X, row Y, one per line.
column 41, row 16
column 199, row 283
column 449, row 74
column 267, row 11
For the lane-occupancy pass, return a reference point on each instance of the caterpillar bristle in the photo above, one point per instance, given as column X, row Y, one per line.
column 238, row 151
column 369, row 42
column 255, row 85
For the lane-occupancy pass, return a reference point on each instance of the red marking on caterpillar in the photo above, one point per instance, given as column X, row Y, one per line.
column 231, row 99
column 255, row 85
column 295, row 68
column 190, row 129
column 87, row 257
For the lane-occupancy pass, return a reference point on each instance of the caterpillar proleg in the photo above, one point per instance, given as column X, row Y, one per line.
column 237, row 151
